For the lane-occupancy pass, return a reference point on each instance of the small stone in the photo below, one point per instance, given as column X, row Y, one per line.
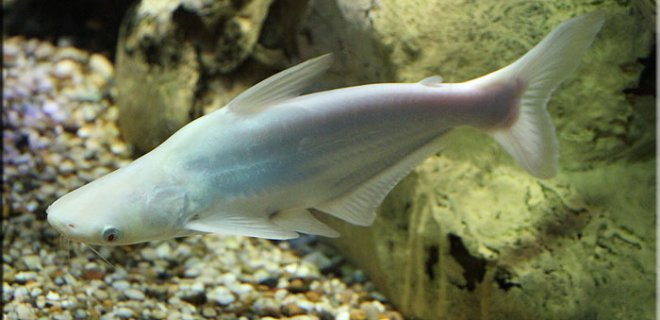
column 89, row 113
column 306, row 305
column 70, row 53
column 297, row 286
column 134, row 294
column 69, row 303
column 10, row 54
column 358, row 276
column 35, row 291
column 378, row 296
column 164, row 251
column 25, row 276
column 112, row 114
column 21, row 294
column 243, row 290
column 393, row 315
column 47, row 189
column 44, row 50
column 89, row 274
column 98, row 172
column 67, row 166
column 262, row 276
column 196, row 297
column 302, row 270
column 86, row 131
column 371, row 311
column 121, row 285
column 124, row 313
column 313, row 296
column 53, row 296
column 31, row 206
column 158, row 314
column 100, row 65
column 183, row 250
column 221, row 295
column 148, row 253
column 292, row 309
column 59, row 280
column 357, row 314
column 55, row 111
column 280, row 294
column 343, row 315
column 25, row 311
column 65, row 69
column 7, row 291
column 92, row 267
column 319, row 259
column 267, row 307
column 192, row 272
column 117, row 147
column 41, row 302
column 80, row 314
column 209, row 312
column 60, row 315
column 100, row 294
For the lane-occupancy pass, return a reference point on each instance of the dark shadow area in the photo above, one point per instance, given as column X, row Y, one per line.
column 647, row 80
column 89, row 24
column 474, row 268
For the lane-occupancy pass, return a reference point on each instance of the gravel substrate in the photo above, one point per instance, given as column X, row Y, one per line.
column 59, row 132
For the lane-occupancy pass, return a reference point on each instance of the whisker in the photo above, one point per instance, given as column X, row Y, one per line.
column 67, row 246
column 98, row 254
column 64, row 244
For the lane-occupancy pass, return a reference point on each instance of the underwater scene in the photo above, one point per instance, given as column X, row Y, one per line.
column 329, row 159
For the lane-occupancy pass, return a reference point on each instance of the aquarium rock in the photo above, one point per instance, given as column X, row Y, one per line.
column 166, row 48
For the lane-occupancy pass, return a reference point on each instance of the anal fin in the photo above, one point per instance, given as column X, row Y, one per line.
column 302, row 220
column 359, row 205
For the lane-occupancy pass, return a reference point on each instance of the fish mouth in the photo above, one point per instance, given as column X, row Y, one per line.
column 65, row 228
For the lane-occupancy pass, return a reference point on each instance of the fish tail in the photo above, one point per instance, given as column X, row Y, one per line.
column 531, row 138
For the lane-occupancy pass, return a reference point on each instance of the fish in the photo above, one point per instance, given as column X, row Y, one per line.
column 273, row 158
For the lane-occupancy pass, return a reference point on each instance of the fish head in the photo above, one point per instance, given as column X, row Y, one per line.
column 99, row 213
column 120, row 208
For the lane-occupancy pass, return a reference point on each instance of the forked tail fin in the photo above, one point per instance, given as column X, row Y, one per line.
column 531, row 139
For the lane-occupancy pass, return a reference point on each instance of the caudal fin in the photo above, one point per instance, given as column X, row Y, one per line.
column 531, row 140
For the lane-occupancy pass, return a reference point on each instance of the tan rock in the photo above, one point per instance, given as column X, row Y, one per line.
column 165, row 48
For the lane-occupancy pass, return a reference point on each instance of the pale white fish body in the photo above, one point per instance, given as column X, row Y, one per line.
column 255, row 167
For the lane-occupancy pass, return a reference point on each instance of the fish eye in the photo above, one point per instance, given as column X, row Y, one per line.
column 111, row 234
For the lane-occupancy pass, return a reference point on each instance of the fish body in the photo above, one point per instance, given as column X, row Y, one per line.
column 257, row 166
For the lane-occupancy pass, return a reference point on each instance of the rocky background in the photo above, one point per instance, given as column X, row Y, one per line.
column 469, row 234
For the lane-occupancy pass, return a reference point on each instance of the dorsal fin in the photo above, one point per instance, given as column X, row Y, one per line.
column 283, row 85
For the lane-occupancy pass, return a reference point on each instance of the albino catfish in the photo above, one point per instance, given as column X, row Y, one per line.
column 256, row 166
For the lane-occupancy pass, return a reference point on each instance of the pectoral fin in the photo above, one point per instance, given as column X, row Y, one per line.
column 241, row 226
